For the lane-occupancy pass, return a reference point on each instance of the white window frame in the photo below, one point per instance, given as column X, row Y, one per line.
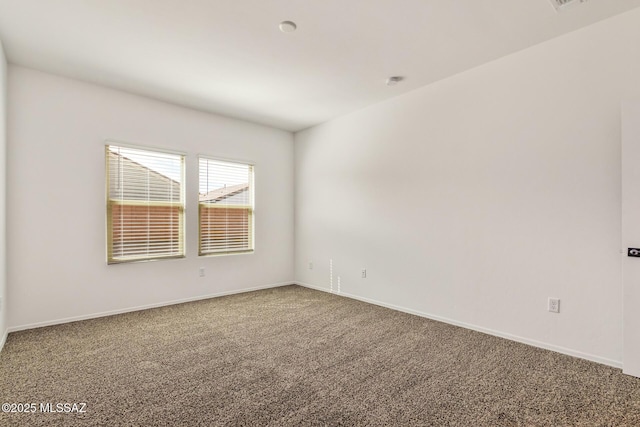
column 250, row 249
column 111, row 202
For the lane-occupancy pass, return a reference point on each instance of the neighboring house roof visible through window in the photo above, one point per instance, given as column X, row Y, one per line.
column 126, row 189
column 231, row 195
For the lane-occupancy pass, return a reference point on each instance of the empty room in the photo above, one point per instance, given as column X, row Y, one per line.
column 320, row 213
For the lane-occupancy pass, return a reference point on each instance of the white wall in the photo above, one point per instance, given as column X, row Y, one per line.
column 3, row 210
column 56, row 200
column 476, row 198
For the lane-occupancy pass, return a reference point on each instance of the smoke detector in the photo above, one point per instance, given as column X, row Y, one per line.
column 394, row 80
column 288, row 26
column 561, row 5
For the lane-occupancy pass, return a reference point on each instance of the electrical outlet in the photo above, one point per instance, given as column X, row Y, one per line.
column 201, row 271
column 310, row 265
column 364, row 273
column 553, row 305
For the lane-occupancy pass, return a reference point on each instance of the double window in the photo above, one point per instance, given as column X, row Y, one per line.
column 146, row 204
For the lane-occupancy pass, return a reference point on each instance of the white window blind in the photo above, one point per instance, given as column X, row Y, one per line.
column 225, row 207
column 145, row 204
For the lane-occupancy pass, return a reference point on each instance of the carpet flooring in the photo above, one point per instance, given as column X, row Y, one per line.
column 292, row 356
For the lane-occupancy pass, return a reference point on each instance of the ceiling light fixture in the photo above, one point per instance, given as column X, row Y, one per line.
column 561, row 5
column 287, row 26
column 394, row 80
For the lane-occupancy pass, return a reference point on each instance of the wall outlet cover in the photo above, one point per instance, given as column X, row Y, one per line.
column 553, row 305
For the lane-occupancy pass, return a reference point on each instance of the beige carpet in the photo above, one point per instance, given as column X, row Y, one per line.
column 296, row 357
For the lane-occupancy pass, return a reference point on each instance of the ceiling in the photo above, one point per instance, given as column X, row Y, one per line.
column 228, row 56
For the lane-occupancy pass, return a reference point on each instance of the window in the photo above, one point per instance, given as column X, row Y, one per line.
column 225, row 207
column 145, row 204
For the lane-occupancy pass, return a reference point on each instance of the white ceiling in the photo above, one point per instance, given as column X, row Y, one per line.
column 228, row 56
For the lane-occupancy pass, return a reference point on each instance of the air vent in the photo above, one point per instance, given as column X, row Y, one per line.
column 565, row 4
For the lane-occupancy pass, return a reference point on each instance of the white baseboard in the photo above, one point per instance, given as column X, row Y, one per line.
column 535, row 343
column 3, row 339
column 138, row 308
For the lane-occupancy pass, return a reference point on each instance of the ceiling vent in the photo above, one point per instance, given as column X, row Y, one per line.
column 561, row 5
